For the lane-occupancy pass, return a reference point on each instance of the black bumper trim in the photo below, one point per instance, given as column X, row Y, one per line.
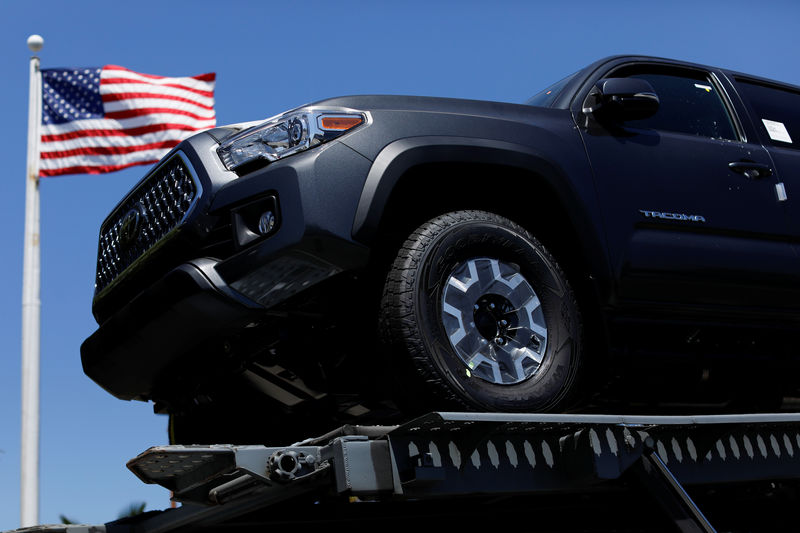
column 172, row 318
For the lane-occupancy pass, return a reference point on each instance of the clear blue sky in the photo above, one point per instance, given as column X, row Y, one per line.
column 269, row 58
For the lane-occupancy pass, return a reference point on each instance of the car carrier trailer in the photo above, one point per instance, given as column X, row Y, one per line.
column 473, row 471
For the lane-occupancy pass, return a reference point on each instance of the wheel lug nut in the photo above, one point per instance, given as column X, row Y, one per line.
column 491, row 306
column 500, row 341
column 504, row 322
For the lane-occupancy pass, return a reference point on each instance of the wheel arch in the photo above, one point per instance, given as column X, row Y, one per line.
column 413, row 180
column 416, row 178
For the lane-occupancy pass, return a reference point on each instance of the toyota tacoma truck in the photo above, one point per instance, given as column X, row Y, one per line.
column 362, row 257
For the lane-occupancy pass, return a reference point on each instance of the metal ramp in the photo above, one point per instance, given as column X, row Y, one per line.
column 447, row 456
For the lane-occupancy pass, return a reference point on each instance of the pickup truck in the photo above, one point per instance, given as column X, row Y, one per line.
column 365, row 257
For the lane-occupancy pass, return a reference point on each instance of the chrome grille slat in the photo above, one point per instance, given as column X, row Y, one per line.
column 163, row 200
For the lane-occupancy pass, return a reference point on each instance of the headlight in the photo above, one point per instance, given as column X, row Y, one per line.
column 287, row 134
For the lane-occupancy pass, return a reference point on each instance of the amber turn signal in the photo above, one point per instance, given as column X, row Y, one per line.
column 340, row 123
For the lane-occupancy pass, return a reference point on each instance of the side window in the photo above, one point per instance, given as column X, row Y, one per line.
column 546, row 97
column 777, row 111
column 689, row 103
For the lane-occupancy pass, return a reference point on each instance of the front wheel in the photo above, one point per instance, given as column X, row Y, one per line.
column 484, row 316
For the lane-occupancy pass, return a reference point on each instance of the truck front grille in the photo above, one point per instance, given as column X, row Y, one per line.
column 151, row 212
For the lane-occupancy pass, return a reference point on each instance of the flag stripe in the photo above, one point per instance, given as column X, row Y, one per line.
column 209, row 76
column 109, row 150
column 111, row 84
column 111, row 133
column 128, row 113
column 103, row 160
column 123, row 91
column 190, row 82
column 156, row 103
column 101, row 120
column 128, row 123
column 91, row 169
column 116, row 140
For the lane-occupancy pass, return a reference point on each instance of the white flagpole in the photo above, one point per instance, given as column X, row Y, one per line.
column 31, row 305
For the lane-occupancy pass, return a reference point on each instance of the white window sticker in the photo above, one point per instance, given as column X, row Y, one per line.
column 777, row 131
column 706, row 88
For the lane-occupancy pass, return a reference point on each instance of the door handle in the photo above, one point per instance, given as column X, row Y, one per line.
column 751, row 169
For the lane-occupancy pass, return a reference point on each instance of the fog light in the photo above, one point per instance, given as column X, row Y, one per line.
column 266, row 223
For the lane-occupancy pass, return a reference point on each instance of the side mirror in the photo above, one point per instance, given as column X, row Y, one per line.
column 621, row 99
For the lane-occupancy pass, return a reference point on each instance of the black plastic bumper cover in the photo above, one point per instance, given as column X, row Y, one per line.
column 180, row 312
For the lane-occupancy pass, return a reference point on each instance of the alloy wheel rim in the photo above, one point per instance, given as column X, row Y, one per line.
column 494, row 321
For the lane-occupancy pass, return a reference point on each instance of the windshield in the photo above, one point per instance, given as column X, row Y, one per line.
column 546, row 97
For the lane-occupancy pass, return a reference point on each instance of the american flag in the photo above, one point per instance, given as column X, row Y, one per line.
column 97, row 120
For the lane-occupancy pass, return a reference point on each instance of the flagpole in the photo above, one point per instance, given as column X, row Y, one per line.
column 31, row 304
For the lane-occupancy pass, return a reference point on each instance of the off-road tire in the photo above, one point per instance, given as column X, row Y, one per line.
column 430, row 373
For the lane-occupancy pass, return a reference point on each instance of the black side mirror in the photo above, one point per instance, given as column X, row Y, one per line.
column 621, row 99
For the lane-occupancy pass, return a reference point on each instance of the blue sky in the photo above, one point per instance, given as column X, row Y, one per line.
column 269, row 57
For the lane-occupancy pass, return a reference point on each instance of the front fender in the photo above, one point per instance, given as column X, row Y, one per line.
column 398, row 157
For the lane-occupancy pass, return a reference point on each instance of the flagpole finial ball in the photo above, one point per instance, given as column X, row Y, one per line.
column 35, row 42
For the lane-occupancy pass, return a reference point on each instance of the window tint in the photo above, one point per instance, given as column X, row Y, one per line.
column 777, row 112
column 688, row 104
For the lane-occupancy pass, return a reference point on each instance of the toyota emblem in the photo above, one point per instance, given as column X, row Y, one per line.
column 129, row 230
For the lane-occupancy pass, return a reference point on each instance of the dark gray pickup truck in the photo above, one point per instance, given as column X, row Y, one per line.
column 365, row 256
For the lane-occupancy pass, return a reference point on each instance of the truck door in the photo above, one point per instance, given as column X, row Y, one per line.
column 775, row 110
column 689, row 202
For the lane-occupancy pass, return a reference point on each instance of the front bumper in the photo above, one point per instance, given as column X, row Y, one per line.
column 159, row 342
column 139, row 345
column 169, row 331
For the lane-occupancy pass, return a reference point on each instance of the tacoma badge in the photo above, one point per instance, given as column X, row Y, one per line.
column 672, row 216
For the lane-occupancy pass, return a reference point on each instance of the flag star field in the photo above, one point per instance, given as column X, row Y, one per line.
column 97, row 120
column 71, row 95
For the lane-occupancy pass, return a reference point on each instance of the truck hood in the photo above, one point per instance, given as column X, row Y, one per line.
column 429, row 104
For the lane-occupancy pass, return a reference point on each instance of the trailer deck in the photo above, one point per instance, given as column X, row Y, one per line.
column 634, row 472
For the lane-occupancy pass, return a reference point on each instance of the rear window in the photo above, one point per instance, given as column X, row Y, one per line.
column 777, row 111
